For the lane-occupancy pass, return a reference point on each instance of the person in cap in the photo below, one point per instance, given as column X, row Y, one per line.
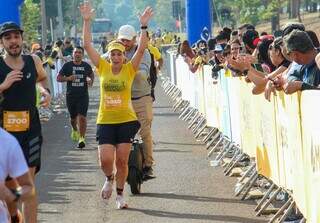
column 19, row 115
column 117, row 122
column 142, row 100
column 79, row 75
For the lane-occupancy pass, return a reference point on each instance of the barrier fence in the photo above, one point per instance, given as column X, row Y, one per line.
column 283, row 135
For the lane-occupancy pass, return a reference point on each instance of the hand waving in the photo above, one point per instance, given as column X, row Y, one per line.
column 87, row 12
column 146, row 16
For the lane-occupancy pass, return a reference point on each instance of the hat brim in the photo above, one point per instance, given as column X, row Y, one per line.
column 115, row 48
column 11, row 30
column 125, row 37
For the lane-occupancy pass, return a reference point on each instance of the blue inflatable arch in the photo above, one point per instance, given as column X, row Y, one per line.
column 9, row 11
column 198, row 19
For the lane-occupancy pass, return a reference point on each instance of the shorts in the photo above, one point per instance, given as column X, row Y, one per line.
column 32, row 151
column 31, row 148
column 117, row 133
column 77, row 105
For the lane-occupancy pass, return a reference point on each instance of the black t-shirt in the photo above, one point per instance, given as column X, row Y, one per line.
column 21, row 96
column 79, row 86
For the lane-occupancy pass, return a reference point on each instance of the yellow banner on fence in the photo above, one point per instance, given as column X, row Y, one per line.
column 310, row 111
column 248, row 111
column 267, row 150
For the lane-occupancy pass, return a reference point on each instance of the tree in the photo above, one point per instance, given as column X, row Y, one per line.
column 163, row 16
column 30, row 21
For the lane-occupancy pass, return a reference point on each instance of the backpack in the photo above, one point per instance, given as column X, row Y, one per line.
column 152, row 72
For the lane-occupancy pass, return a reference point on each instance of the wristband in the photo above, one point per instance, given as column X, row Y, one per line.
column 17, row 194
column 143, row 27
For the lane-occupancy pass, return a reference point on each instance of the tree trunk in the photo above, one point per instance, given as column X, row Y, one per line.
column 43, row 23
column 295, row 9
column 314, row 7
column 275, row 20
column 289, row 6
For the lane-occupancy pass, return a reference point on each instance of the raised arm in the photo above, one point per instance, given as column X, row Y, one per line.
column 87, row 13
column 143, row 40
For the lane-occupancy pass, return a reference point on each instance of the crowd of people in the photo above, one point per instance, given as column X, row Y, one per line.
column 127, row 73
column 289, row 60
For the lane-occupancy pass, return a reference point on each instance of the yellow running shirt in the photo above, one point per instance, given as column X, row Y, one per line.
column 115, row 94
column 155, row 52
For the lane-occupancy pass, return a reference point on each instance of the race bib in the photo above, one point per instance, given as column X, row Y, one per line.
column 16, row 121
column 113, row 101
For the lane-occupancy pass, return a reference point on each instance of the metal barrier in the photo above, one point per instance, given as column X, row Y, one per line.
column 279, row 138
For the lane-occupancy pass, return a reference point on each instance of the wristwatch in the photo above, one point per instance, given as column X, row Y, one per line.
column 17, row 193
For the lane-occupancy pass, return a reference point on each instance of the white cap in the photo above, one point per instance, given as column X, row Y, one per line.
column 127, row 32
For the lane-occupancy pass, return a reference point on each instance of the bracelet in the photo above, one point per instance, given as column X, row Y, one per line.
column 16, row 193
column 143, row 27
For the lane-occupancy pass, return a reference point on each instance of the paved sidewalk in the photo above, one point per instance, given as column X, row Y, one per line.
column 186, row 189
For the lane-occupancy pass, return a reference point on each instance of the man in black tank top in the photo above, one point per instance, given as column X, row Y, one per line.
column 19, row 75
column 78, row 75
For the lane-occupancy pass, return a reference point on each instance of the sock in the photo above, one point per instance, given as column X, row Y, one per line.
column 119, row 191
column 110, row 178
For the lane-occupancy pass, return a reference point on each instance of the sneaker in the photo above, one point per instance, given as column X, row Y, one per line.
column 120, row 202
column 81, row 143
column 106, row 191
column 148, row 173
column 74, row 135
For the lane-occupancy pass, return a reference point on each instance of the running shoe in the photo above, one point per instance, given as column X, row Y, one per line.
column 81, row 142
column 106, row 190
column 148, row 173
column 74, row 135
column 120, row 202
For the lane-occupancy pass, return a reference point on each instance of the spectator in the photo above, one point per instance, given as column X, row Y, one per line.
column 263, row 56
column 235, row 48
column 67, row 50
column 248, row 39
column 234, row 35
column 243, row 28
column 301, row 50
column 314, row 38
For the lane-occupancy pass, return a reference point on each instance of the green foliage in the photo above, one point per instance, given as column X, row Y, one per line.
column 251, row 11
column 163, row 16
column 30, row 21
column 125, row 12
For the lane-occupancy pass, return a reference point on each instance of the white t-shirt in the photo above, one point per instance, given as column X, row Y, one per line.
column 12, row 163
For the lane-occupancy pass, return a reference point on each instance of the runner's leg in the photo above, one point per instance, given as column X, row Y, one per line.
column 122, row 158
column 82, row 123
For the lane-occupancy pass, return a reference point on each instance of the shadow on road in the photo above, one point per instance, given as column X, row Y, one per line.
column 177, row 143
column 223, row 218
column 193, row 198
column 62, row 167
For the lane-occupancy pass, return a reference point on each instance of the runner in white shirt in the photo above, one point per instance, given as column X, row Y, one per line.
column 13, row 164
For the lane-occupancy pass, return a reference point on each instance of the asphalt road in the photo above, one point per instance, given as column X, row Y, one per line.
column 186, row 189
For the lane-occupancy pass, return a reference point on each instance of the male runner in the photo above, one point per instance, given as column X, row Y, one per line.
column 19, row 115
column 78, row 75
